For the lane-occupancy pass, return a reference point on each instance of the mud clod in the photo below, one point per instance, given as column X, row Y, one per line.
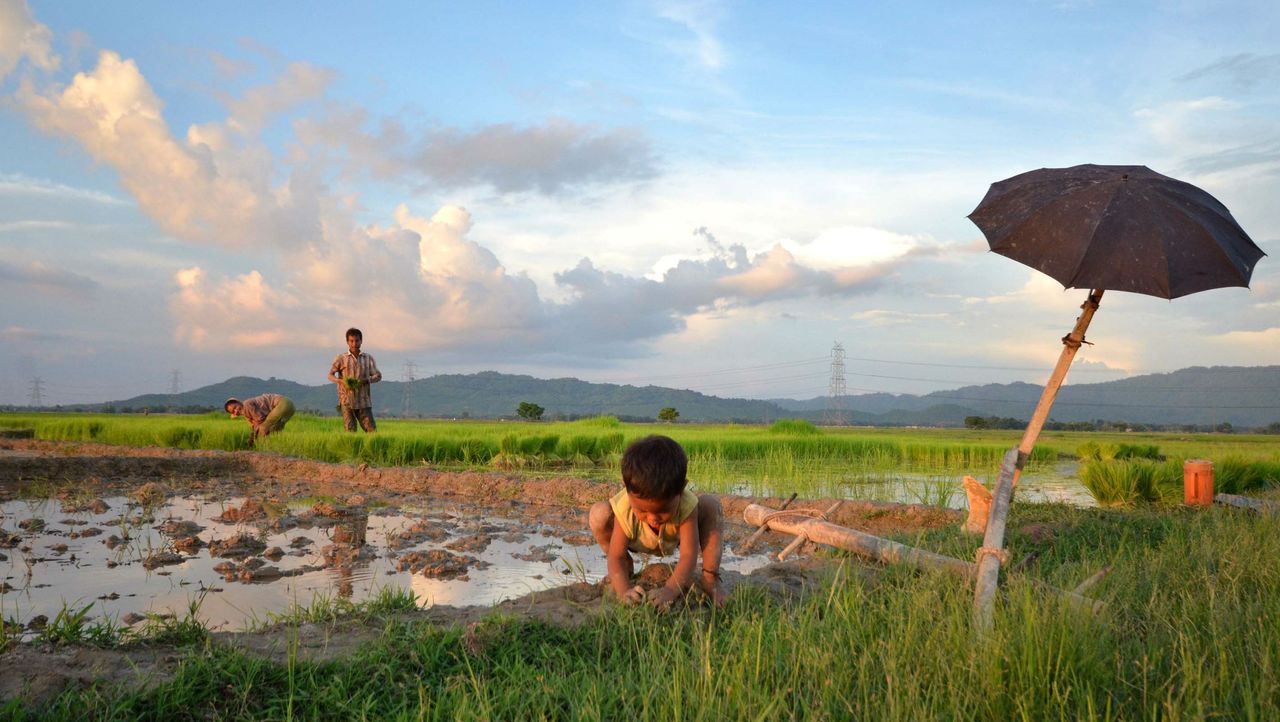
column 438, row 564
column 31, row 525
column 538, row 554
column 160, row 559
column 236, row 547
column 152, row 492
column 177, row 528
column 251, row 510
column 188, row 544
column 470, row 543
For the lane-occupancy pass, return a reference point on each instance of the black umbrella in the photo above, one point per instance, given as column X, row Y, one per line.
column 1120, row 228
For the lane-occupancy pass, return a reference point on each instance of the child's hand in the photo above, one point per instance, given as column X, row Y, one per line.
column 664, row 597
column 634, row 595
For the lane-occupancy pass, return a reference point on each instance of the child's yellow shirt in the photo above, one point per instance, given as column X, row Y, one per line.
column 644, row 538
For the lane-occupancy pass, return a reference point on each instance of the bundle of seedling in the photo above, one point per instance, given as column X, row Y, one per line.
column 351, row 382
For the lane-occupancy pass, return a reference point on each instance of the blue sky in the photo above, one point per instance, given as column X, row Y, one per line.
column 704, row 195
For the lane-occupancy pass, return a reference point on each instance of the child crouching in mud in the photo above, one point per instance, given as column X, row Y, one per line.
column 653, row 514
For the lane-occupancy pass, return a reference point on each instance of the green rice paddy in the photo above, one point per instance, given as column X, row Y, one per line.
column 788, row 456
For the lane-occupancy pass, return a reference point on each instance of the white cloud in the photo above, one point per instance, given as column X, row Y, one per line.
column 551, row 158
column 18, row 184
column 699, row 17
column 22, row 38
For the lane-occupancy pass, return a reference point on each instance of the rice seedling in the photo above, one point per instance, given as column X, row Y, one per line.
column 793, row 426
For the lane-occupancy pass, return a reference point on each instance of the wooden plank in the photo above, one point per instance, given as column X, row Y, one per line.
column 1261, row 506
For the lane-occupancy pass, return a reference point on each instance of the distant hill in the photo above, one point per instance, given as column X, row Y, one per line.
column 482, row 395
column 1245, row 397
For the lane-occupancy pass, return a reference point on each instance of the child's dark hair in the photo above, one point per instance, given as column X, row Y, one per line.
column 655, row 467
column 353, row 331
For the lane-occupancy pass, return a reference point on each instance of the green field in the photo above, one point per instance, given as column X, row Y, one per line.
column 1188, row 634
column 779, row 459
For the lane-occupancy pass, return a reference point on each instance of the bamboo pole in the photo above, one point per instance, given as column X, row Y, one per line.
column 886, row 551
column 751, row 540
column 860, row 543
column 802, row 538
column 992, row 552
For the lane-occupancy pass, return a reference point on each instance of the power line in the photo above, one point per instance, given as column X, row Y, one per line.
column 980, row 366
column 37, row 388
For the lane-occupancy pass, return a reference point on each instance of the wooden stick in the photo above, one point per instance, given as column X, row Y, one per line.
column 802, row 538
column 1096, row 577
column 1262, row 506
column 989, row 556
column 745, row 546
column 860, row 543
column 886, row 551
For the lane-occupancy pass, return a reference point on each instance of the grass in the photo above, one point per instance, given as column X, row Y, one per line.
column 326, row 609
column 1188, row 634
column 790, row 455
column 1118, row 481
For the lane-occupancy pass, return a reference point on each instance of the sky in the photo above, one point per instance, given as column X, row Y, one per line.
column 703, row 195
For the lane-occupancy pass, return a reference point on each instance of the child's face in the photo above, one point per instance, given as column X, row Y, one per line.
column 654, row 512
column 235, row 409
column 353, row 345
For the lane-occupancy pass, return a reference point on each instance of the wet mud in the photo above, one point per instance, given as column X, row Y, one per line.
column 146, row 532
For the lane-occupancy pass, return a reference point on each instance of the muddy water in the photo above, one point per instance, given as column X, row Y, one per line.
column 127, row 559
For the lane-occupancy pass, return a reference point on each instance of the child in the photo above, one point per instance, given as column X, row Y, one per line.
column 267, row 413
column 652, row 515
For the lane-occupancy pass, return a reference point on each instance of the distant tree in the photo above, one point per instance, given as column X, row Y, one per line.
column 1224, row 428
column 668, row 414
column 529, row 411
column 1272, row 428
column 975, row 422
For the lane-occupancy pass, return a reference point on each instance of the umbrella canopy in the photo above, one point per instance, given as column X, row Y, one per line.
column 1117, row 227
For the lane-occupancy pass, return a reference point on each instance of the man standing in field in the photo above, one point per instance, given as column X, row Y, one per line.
column 353, row 371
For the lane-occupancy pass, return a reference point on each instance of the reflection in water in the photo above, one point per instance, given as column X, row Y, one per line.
column 346, row 557
column 95, row 558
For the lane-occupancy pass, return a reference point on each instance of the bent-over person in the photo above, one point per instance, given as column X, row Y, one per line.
column 266, row 413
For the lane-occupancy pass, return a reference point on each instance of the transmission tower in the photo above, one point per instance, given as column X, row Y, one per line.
column 409, row 376
column 835, row 406
column 37, row 389
column 175, row 381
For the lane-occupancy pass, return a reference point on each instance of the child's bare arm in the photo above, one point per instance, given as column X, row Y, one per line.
column 619, row 559
column 683, row 576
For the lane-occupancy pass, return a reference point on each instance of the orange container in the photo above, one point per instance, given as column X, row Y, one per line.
column 1197, row 482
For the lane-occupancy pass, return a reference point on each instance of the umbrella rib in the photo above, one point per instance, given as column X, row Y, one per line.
column 1217, row 213
column 1101, row 217
column 1215, row 243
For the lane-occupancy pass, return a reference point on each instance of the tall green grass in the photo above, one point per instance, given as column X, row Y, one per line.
column 1120, row 481
column 1188, row 634
column 788, row 456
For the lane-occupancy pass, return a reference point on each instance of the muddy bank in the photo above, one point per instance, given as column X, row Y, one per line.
column 25, row 461
column 466, row 513
column 38, row 673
